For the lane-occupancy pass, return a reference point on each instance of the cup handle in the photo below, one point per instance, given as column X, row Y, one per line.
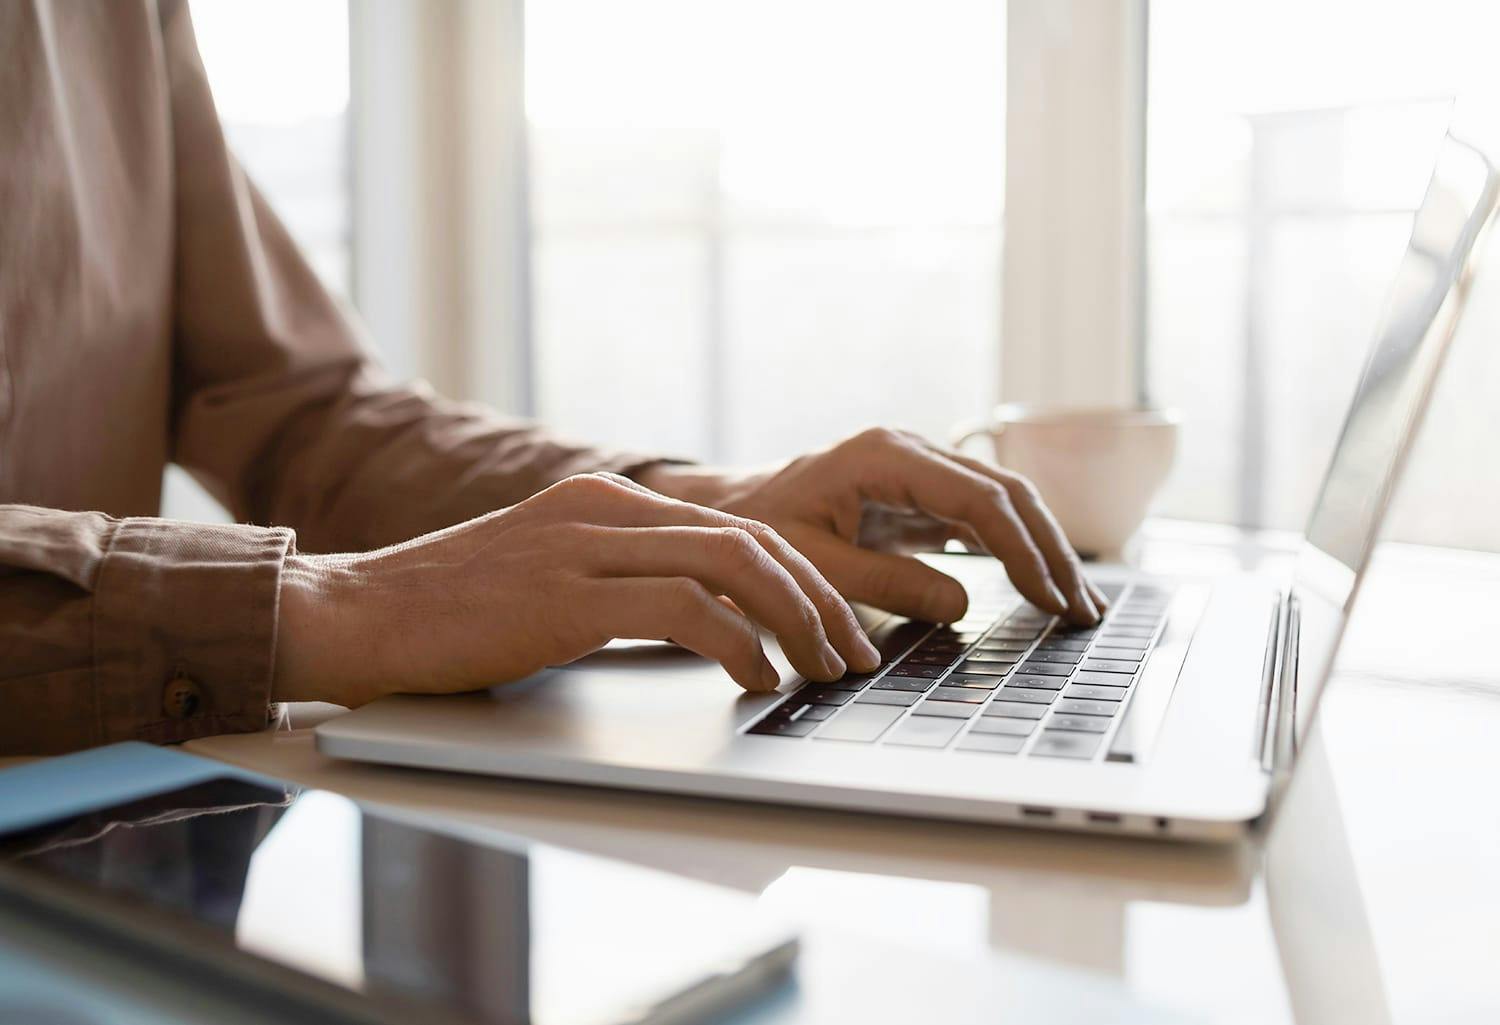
column 967, row 432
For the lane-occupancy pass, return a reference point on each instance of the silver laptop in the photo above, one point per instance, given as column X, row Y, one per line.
column 1178, row 716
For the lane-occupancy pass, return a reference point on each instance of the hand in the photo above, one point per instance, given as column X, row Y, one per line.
column 826, row 503
column 547, row 581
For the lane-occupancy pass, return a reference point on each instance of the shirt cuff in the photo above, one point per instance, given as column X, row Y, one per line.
column 184, row 629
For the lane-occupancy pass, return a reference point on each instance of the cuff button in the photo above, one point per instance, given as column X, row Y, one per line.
column 181, row 698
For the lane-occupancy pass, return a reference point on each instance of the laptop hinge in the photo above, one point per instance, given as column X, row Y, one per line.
column 1271, row 687
column 1284, row 726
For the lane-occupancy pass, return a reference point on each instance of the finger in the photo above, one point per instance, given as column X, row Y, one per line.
column 1062, row 560
column 635, row 506
column 1100, row 601
column 729, row 562
column 682, row 611
column 896, row 583
column 907, row 473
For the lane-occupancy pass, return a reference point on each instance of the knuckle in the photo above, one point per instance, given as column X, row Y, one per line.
column 761, row 534
column 808, row 617
column 586, row 485
column 876, row 438
column 749, row 643
column 687, row 598
column 999, row 495
column 1022, row 486
column 734, row 545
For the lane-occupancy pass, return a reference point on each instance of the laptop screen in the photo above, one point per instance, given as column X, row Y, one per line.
column 1421, row 314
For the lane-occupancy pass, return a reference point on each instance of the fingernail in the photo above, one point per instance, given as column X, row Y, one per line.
column 769, row 677
column 1059, row 603
column 1086, row 603
column 869, row 655
column 831, row 661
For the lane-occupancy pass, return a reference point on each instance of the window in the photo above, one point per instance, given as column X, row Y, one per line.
column 289, row 129
column 760, row 226
column 1278, row 205
column 279, row 70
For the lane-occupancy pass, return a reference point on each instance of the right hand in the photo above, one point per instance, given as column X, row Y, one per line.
column 588, row 560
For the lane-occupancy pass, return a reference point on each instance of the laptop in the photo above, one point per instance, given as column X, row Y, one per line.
column 1180, row 715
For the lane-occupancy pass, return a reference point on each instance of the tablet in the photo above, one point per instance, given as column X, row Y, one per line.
column 378, row 916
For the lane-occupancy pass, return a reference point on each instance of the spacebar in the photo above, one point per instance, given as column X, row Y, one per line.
column 860, row 722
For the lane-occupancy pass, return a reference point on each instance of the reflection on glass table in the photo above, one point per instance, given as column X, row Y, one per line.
column 422, row 925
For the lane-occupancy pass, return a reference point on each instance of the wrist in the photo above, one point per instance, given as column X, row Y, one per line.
column 709, row 486
column 317, row 630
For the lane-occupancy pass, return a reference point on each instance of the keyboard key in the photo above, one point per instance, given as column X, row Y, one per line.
column 1064, row 745
column 1134, row 623
column 821, row 695
column 1010, row 727
column 918, row 671
column 1102, row 679
column 951, row 709
column 996, row 661
column 775, row 725
column 1110, row 665
column 1035, row 619
column 860, row 722
column 1127, row 637
column 1104, row 651
column 1062, row 644
column 966, row 637
column 1078, row 706
column 991, row 644
column 1038, row 682
column 903, row 683
column 921, row 658
column 1066, row 631
column 1014, row 710
column 1078, row 723
column 965, row 694
column 951, row 650
column 1031, row 697
column 991, row 743
column 891, row 641
column 975, row 681
column 849, row 681
column 925, row 731
column 814, row 713
column 902, row 698
column 1060, row 657
column 984, row 668
column 1093, row 692
column 1013, row 633
column 1036, row 668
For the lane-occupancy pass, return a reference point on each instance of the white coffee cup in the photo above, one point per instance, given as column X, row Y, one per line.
column 1097, row 468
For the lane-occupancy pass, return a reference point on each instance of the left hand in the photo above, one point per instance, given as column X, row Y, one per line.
column 826, row 504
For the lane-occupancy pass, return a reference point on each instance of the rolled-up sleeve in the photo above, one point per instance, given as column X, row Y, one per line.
column 133, row 629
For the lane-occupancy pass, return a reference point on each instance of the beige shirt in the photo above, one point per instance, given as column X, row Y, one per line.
column 153, row 309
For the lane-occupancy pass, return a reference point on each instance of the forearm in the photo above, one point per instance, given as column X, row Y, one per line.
column 354, row 462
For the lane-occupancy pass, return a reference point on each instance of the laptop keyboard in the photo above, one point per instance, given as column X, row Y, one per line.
column 1008, row 679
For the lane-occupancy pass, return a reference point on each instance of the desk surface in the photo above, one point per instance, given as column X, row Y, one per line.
column 1375, row 898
